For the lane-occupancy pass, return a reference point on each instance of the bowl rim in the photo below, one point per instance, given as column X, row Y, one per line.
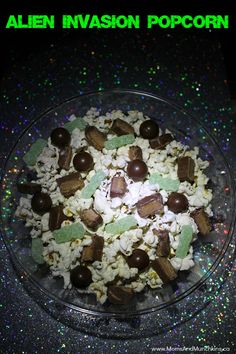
column 120, row 314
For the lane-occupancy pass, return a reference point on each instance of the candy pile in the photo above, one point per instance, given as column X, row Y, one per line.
column 114, row 204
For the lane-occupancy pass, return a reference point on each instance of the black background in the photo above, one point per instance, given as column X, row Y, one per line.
column 21, row 42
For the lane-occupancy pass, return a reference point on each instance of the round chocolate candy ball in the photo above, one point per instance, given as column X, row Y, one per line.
column 149, row 129
column 60, row 137
column 137, row 170
column 81, row 277
column 138, row 259
column 83, row 161
column 177, row 202
column 41, row 203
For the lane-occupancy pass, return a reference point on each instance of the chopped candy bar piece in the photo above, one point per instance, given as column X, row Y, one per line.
column 120, row 127
column 121, row 225
column 35, row 150
column 163, row 246
column 94, row 251
column 65, row 156
column 91, row 218
column 168, row 184
column 120, row 295
column 164, row 269
column 94, row 183
column 186, row 169
column 37, row 250
column 202, row 220
column 161, row 141
column 151, row 205
column 119, row 141
column 185, row 239
column 76, row 123
column 69, row 233
column 95, row 137
column 135, row 153
column 56, row 217
column 118, row 187
column 28, row 188
column 70, row 184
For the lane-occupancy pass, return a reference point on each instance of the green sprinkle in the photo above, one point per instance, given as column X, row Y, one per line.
column 184, row 241
column 36, row 148
column 68, row 233
column 94, row 183
column 76, row 123
column 167, row 184
column 119, row 141
column 121, row 225
column 37, row 250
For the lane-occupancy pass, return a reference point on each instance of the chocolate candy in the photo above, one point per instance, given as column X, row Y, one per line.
column 163, row 247
column 83, row 161
column 70, row 184
column 95, row 137
column 94, row 251
column 161, row 141
column 118, row 187
column 28, row 188
column 41, row 203
column 91, row 218
column 120, row 127
column 137, row 170
column 81, row 277
column 65, row 156
column 164, row 269
column 186, row 169
column 177, row 202
column 56, row 217
column 60, row 137
column 119, row 295
column 138, row 259
column 151, row 205
column 135, row 153
column 202, row 220
column 149, row 129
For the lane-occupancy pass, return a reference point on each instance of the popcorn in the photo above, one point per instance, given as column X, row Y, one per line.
column 123, row 229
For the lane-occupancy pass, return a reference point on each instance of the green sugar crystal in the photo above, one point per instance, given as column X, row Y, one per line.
column 94, row 183
column 184, row 241
column 167, row 184
column 68, row 233
column 76, row 123
column 37, row 250
column 121, row 225
column 35, row 150
column 119, row 141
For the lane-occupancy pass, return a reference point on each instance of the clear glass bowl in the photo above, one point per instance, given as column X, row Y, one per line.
column 152, row 311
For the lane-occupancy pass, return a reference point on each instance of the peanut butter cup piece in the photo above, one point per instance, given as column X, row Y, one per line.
column 151, row 205
column 120, row 295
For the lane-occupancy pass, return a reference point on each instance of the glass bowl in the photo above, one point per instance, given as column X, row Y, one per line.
column 151, row 311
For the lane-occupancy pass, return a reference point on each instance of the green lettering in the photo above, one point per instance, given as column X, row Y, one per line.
column 12, row 22
column 175, row 20
column 187, row 25
column 164, row 21
column 152, row 20
column 199, row 21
